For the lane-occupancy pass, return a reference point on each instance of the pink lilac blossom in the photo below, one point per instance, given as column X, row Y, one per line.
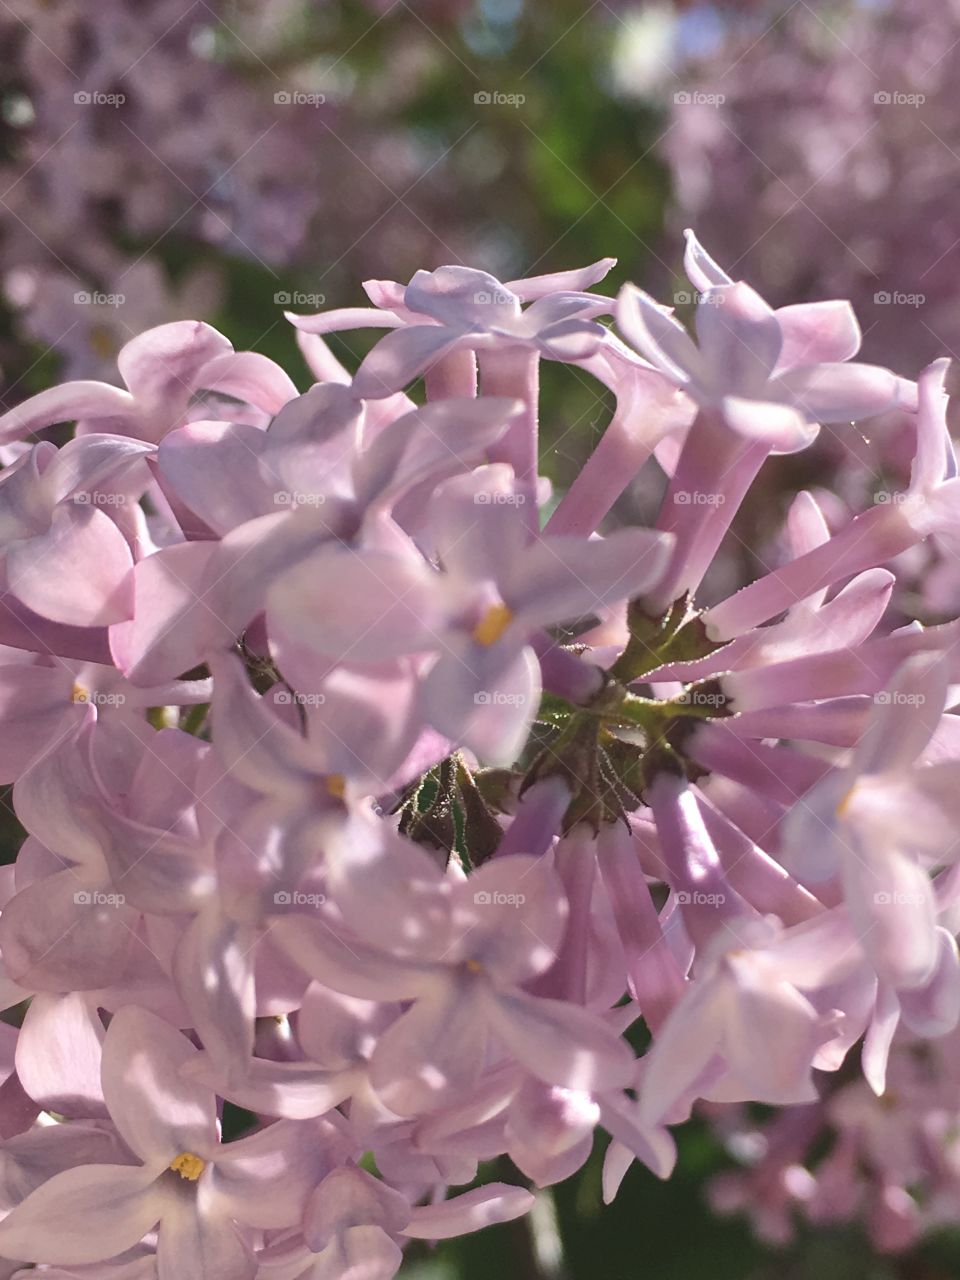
column 363, row 796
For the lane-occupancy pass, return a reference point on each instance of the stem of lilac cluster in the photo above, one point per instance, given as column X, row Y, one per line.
column 454, row 375
column 576, row 864
column 715, row 470
column 538, row 818
column 868, row 540
column 566, row 674
column 655, row 977
column 605, row 475
column 693, row 867
column 515, row 372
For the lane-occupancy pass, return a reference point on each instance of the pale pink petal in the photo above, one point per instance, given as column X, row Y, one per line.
column 470, row 1211
column 87, row 1214
column 560, row 1043
column 433, row 1052
column 71, row 402
column 159, row 1112
column 58, row 1056
column 160, row 365
column 816, row 333
column 838, row 392
column 248, row 376
column 79, row 572
column 656, row 334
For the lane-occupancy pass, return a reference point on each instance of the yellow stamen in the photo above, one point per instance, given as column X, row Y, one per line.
column 188, row 1166
column 336, row 785
column 845, row 802
column 102, row 341
column 79, row 694
column 492, row 625
column 474, row 966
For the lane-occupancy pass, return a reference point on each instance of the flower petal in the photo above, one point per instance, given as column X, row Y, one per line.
column 78, row 572
column 561, row 1043
column 87, row 1214
column 158, row 1111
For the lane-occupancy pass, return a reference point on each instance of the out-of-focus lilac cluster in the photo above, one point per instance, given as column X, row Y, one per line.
column 372, row 791
column 824, row 146
column 891, row 1164
column 134, row 133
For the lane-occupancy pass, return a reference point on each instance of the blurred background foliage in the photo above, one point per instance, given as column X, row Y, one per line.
column 262, row 156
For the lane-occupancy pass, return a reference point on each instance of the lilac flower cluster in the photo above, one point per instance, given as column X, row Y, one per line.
column 364, row 795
